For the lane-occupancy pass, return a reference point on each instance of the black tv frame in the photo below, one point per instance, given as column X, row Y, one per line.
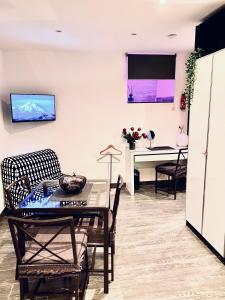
column 33, row 94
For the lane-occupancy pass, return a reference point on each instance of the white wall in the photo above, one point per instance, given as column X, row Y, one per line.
column 2, row 131
column 92, row 109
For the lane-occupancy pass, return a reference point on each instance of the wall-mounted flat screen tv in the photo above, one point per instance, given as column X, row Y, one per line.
column 32, row 107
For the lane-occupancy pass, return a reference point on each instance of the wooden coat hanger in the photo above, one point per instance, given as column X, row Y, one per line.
column 105, row 155
column 107, row 151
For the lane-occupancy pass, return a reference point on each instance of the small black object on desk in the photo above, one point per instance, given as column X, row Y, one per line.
column 160, row 148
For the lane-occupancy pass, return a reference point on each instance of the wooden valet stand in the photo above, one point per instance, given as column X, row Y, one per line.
column 112, row 153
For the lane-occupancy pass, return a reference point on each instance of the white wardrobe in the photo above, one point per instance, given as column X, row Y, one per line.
column 205, row 202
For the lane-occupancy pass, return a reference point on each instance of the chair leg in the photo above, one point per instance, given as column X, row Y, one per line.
column 112, row 262
column 22, row 289
column 77, row 288
column 87, row 266
column 168, row 185
column 16, row 273
column 175, row 188
column 156, row 182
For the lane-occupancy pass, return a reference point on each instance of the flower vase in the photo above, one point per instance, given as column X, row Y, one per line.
column 132, row 145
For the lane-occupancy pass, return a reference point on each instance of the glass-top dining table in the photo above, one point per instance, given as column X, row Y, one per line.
column 49, row 198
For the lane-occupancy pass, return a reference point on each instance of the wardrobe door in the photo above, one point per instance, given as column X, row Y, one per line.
column 214, row 208
column 198, row 142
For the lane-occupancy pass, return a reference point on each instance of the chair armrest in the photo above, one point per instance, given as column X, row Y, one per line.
column 25, row 183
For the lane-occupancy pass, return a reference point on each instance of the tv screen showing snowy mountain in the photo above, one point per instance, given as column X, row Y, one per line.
column 28, row 108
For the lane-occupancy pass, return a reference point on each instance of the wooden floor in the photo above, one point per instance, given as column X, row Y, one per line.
column 157, row 258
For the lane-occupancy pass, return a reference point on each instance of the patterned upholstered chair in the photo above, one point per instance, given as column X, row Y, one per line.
column 54, row 250
column 36, row 166
column 174, row 171
column 95, row 227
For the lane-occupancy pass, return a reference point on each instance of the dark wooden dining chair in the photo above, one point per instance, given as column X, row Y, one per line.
column 21, row 187
column 174, row 171
column 95, row 227
column 55, row 249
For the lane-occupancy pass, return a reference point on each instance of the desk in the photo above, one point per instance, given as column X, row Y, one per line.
column 144, row 155
column 39, row 201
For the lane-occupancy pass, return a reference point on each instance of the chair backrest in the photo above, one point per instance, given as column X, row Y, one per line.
column 119, row 185
column 22, row 187
column 41, row 234
column 181, row 154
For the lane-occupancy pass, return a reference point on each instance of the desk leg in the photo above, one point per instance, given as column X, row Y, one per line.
column 129, row 168
column 106, row 253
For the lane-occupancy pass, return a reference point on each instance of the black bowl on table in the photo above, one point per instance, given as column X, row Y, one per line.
column 72, row 184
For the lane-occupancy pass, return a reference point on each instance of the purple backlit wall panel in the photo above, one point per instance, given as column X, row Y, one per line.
column 151, row 77
column 150, row 91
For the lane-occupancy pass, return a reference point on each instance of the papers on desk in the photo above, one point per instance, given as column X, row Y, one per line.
column 157, row 148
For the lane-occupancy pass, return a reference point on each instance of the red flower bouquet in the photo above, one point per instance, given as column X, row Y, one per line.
column 132, row 136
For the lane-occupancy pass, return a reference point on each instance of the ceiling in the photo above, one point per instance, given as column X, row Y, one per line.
column 102, row 25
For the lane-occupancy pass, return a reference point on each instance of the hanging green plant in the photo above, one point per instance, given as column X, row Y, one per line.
column 190, row 75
